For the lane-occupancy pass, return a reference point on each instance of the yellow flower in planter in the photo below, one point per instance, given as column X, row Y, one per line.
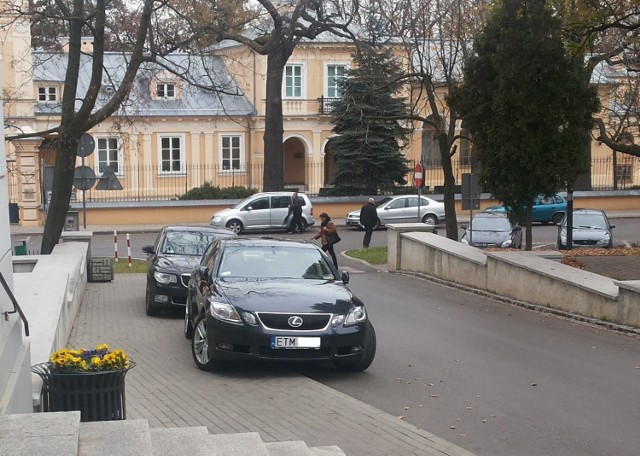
column 102, row 358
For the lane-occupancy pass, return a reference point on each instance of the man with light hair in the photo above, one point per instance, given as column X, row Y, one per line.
column 368, row 220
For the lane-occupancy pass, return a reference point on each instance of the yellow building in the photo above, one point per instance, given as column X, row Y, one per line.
column 172, row 135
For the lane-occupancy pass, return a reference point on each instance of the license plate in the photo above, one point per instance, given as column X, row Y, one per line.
column 294, row 342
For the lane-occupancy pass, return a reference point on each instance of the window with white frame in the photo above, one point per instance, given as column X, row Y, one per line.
column 47, row 94
column 336, row 74
column 624, row 174
column 171, row 154
column 108, row 154
column 166, row 90
column 231, row 152
column 293, row 81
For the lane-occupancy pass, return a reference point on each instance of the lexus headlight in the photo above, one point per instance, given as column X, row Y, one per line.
column 162, row 277
column 356, row 315
column 224, row 312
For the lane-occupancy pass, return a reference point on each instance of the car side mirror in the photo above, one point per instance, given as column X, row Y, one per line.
column 463, row 226
column 345, row 276
column 148, row 249
column 203, row 271
column 249, row 208
column 611, row 227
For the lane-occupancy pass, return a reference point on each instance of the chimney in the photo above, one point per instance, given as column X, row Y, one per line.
column 86, row 45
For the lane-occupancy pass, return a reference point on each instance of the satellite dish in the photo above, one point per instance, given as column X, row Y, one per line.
column 83, row 178
column 86, row 145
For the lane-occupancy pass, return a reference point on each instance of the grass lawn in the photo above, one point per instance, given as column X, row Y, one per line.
column 372, row 255
column 122, row 266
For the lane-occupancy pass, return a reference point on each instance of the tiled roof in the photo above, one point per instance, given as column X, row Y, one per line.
column 195, row 99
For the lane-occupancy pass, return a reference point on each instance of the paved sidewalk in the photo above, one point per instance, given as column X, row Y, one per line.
column 166, row 388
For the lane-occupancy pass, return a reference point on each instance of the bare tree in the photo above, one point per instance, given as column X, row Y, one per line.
column 607, row 34
column 273, row 29
column 80, row 111
column 437, row 36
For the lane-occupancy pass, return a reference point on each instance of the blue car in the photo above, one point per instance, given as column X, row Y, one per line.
column 546, row 209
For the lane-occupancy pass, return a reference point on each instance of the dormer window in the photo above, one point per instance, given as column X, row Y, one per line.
column 166, row 91
column 46, row 94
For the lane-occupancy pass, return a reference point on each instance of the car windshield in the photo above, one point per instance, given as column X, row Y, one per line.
column 186, row 242
column 274, row 262
column 589, row 221
column 491, row 224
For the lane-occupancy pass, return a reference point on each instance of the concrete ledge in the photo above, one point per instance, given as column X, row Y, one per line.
column 528, row 277
column 50, row 295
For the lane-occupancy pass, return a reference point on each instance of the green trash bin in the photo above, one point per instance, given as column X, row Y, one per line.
column 20, row 248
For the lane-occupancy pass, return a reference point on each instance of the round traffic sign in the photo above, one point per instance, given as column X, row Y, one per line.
column 86, row 145
column 418, row 175
column 83, row 178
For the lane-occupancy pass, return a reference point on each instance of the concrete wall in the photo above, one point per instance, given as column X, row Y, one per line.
column 50, row 290
column 530, row 277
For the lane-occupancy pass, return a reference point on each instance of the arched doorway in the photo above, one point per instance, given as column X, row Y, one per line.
column 295, row 164
column 329, row 163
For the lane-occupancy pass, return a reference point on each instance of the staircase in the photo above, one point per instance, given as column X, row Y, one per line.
column 62, row 434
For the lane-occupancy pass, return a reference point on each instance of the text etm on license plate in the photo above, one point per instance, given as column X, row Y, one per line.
column 294, row 342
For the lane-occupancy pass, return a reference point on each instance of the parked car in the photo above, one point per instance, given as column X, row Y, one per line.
column 591, row 228
column 171, row 259
column 274, row 299
column 546, row 209
column 492, row 229
column 403, row 209
column 262, row 211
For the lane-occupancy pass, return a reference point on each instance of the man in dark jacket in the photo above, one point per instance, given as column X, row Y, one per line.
column 368, row 220
column 296, row 211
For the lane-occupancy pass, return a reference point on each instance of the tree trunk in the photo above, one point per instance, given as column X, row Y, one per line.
column 61, row 193
column 528, row 218
column 449, row 190
column 273, row 122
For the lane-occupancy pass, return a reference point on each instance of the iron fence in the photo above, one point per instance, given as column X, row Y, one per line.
column 150, row 183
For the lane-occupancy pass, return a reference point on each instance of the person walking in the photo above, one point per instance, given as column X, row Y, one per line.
column 368, row 220
column 327, row 228
column 295, row 209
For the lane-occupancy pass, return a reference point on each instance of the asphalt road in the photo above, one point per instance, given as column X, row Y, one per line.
column 626, row 232
column 494, row 378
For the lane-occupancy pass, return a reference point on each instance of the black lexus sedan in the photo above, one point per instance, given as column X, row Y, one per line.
column 272, row 299
column 171, row 259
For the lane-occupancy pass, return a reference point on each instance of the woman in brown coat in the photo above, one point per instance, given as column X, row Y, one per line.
column 327, row 227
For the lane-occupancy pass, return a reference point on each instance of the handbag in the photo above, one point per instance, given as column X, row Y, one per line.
column 333, row 238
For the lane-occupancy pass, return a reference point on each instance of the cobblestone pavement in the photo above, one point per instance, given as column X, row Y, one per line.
column 166, row 388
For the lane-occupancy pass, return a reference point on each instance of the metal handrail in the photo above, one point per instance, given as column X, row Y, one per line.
column 16, row 306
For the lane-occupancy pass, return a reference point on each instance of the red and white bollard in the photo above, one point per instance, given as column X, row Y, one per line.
column 115, row 245
column 128, row 250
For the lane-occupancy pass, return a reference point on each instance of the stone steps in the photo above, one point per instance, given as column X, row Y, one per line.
column 62, row 434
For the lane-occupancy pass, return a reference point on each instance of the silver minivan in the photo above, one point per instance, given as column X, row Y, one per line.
column 262, row 211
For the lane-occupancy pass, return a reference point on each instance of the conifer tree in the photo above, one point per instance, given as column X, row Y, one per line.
column 368, row 147
column 527, row 105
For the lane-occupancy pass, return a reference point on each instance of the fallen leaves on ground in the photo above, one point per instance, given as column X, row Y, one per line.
column 618, row 251
column 572, row 257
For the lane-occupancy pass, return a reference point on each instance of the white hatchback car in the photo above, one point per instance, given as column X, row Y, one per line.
column 262, row 211
column 403, row 209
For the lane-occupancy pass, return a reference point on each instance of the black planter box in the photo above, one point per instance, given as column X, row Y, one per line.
column 99, row 396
